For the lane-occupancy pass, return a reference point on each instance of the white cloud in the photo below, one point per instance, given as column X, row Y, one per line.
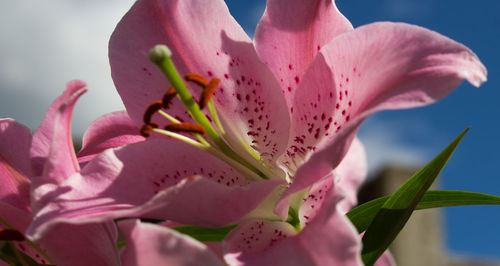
column 403, row 9
column 385, row 144
column 44, row 44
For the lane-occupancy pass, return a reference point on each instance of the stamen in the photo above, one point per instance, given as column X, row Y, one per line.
column 208, row 92
column 185, row 127
column 167, row 98
column 196, row 78
column 147, row 129
column 152, row 109
column 11, row 235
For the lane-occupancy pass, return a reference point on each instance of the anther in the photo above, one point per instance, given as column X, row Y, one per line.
column 147, row 129
column 196, row 78
column 208, row 92
column 152, row 109
column 185, row 127
column 168, row 97
column 11, row 235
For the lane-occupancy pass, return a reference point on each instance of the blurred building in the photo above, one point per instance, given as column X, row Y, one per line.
column 421, row 242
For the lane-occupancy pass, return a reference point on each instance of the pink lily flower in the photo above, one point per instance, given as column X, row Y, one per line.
column 289, row 105
column 47, row 157
column 20, row 171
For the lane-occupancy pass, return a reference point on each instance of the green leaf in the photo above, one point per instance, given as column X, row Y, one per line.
column 397, row 209
column 362, row 216
column 204, row 233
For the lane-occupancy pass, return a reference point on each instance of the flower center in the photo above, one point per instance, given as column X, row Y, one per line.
column 215, row 144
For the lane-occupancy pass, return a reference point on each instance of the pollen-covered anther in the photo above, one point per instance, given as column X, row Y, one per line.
column 147, row 129
column 152, row 109
column 196, row 78
column 11, row 235
column 208, row 92
column 185, row 127
column 168, row 97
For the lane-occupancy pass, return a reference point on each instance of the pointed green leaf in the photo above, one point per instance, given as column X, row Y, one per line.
column 204, row 233
column 362, row 216
column 397, row 209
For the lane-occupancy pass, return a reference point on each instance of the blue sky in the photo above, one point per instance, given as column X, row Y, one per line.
column 46, row 44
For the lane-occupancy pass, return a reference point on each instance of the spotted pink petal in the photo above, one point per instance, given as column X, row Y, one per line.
column 327, row 238
column 152, row 179
column 204, row 39
column 82, row 244
column 149, row 244
column 338, row 243
column 313, row 202
column 109, row 131
column 15, row 167
column 291, row 33
column 352, row 172
column 53, row 136
column 375, row 67
column 249, row 243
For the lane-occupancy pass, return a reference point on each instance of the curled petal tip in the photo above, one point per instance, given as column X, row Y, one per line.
column 76, row 84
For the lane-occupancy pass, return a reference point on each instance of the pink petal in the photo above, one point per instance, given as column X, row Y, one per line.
column 15, row 167
column 87, row 244
column 149, row 179
column 216, row 248
column 386, row 260
column 149, row 244
column 204, row 39
column 248, row 244
column 352, row 171
column 109, row 131
column 328, row 239
column 15, row 171
column 313, row 202
column 17, row 218
column 364, row 71
column 53, row 136
column 291, row 33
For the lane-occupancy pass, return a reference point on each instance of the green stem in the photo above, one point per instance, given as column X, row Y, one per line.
column 213, row 113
